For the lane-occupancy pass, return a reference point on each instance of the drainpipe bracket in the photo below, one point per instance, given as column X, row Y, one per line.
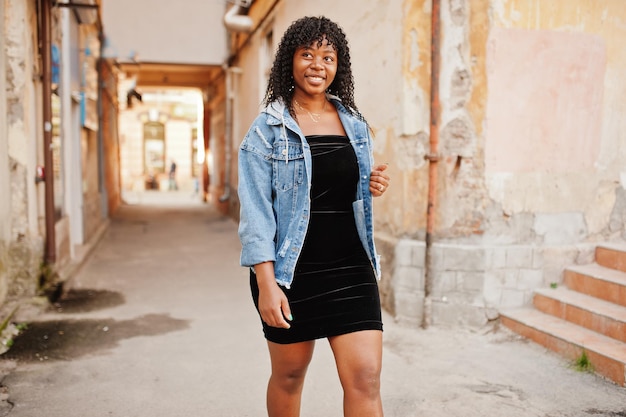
column 432, row 157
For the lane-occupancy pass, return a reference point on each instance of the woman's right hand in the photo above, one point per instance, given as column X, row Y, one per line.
column 273, row 303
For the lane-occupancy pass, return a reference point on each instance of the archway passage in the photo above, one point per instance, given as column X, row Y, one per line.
column 164, row 120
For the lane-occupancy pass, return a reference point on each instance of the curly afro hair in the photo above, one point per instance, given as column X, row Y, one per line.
column 303, row 32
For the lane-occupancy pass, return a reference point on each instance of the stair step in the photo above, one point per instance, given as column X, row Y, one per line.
column 592, row 313
column 607, row 356
column 612, row 255
column 597, row 281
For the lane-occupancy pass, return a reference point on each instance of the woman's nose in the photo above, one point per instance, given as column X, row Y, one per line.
column 317, row 62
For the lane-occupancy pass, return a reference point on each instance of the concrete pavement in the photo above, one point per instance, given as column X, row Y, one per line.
column 159, row 322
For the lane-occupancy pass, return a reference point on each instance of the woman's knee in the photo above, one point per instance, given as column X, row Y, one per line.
column 290, row 378
column 358, row 357
column 289, row 364
column 364, row 381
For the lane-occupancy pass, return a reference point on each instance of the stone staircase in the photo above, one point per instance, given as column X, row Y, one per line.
column 585, row 314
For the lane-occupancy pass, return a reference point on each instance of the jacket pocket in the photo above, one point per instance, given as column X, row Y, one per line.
column 288, row 165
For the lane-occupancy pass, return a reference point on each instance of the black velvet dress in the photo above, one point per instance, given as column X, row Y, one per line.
column 334, row 290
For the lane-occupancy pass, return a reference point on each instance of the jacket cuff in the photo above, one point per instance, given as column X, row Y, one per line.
column 257, row 252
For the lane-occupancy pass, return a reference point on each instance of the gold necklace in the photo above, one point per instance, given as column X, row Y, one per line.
column 315, row 117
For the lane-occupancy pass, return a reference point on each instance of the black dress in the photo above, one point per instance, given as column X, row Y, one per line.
column 334, row 290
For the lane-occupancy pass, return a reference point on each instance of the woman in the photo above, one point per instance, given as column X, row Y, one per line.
column 305, row 185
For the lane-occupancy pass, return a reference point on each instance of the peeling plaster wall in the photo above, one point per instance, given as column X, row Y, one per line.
column 406, row 198
column 578, row 125
column 401, row 214
column 20, row 230
column 5, row 188
column 555, row 142
column 533, row 153
column 461, row 190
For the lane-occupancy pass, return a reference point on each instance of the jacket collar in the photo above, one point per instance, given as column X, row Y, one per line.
column 278, row 114
column 277, row 109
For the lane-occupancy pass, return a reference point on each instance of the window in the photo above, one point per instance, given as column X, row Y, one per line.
column 154, row 147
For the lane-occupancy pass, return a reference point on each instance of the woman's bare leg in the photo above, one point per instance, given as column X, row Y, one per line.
column 289, row 365
column 359, row 362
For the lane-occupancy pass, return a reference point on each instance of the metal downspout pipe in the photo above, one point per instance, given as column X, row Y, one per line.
column 432, row 157
column 46, row 69
column 234, row 21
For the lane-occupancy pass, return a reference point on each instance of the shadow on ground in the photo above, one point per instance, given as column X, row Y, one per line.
column 604, row 413
column 86, row 300
column 70, row 338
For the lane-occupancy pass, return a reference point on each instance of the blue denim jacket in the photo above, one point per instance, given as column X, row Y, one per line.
column 275, row 188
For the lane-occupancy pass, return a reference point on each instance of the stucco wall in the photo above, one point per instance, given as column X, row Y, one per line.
column 532, row 153
column 21, row 236
column 567, row 123
column 190, row 32
column 5, row 207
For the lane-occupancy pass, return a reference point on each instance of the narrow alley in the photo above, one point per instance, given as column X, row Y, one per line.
column 159, row 322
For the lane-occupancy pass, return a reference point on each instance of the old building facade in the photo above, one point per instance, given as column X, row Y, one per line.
column 21, row 247
column 55, row 188
column 506, row 153
column 159, row 133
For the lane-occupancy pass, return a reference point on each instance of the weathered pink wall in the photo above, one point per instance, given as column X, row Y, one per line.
column 544, row 110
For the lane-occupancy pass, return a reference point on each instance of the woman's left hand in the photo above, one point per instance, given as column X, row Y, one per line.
column 379, row 181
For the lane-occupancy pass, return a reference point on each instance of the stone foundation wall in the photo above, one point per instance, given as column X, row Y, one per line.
column 473, row 282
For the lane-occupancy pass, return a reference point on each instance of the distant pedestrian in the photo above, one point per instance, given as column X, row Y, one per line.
column 173, row 185
column 305, row 175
